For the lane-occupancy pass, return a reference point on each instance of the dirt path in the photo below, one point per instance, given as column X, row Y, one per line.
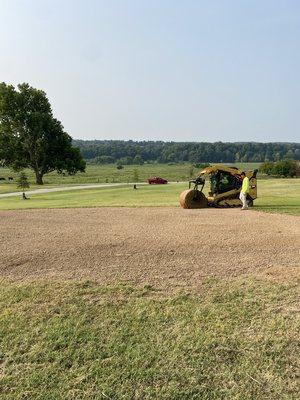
column 164, row 247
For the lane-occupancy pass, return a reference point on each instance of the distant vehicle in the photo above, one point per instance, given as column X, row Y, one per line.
column 156, row 180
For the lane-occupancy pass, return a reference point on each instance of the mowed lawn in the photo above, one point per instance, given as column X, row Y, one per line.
column 110, row 174
column 275, row 195
column 236, row 339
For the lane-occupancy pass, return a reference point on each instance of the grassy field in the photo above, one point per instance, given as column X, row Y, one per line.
column 279, row 196
column 235, row 340
column 275, row 195
column 110, row 174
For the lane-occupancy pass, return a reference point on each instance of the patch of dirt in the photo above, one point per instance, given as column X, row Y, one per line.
column 168, row 248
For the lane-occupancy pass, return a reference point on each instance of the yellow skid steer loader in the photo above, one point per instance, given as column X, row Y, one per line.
column 225, row 187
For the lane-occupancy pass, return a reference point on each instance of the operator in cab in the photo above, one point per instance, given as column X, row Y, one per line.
column 244, row 191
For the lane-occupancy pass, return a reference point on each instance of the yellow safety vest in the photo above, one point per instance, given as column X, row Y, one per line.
column 245, row 185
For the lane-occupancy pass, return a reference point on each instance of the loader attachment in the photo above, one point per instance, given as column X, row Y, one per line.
column 192, row 198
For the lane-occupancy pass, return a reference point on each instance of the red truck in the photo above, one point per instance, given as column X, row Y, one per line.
column 156, row 180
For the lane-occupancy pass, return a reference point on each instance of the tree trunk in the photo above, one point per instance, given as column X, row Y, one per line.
column 39, row 178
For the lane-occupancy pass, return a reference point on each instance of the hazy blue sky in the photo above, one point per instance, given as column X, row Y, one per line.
column 161, row 69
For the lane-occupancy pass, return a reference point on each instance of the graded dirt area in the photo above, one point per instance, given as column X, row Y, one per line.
column 169, row 248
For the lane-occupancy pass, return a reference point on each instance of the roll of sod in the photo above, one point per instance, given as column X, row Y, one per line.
column 192, row 198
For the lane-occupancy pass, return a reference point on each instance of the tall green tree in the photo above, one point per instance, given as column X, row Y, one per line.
column 23, row 183
column 30, row 136
column 135, row 175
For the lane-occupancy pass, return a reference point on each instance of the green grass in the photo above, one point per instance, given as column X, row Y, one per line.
column 279, row 196
column 234, row 340
column 145, row 195
column 275, row 195
column 109, row 173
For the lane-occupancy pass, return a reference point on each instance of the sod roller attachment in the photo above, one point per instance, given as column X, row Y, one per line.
column 192, row 198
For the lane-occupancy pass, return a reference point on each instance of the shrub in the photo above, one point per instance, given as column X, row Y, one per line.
column 266, row 167
column 285, row 168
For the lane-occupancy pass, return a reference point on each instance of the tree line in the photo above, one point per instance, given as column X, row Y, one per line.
column 133, row 152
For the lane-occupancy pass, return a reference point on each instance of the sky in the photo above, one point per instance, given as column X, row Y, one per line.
column 173, row 70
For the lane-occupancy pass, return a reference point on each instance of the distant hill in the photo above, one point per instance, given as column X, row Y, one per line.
column 132, row 152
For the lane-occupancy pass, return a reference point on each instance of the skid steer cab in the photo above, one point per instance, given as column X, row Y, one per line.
column 225, row 186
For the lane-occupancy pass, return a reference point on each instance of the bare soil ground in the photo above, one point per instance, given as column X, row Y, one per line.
column 169, row 248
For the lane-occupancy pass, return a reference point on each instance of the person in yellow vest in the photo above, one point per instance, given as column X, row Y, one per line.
column 244, row 191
